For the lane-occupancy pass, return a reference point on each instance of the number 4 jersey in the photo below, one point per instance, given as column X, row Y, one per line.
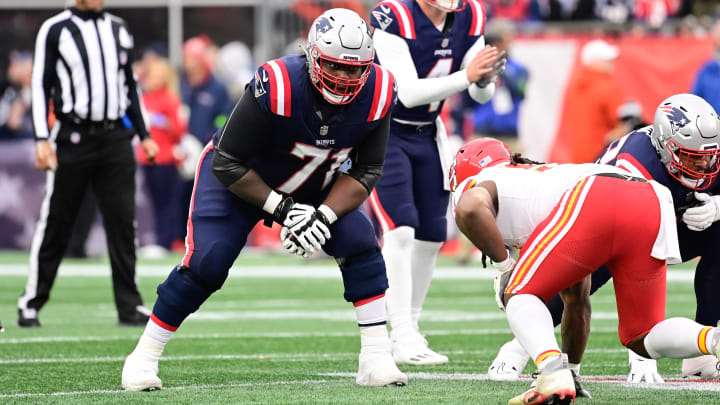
column 434, row 53
column 297, row 140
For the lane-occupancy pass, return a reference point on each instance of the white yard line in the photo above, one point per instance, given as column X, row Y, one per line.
column 258, row 335
column 180, row 388
column 291, row 271
column 256, row 356
column 670, row 384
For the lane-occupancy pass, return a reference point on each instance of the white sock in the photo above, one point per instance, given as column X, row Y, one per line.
column 371, row 312
column 679, row 338
column 396, row 245
column 424, row 257
column 532, row 325
column 374, row 339
column 574, row 367
column 153, row 341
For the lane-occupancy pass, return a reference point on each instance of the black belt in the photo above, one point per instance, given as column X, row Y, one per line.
column 621, row 176
column 416, row 127
column 94, row 127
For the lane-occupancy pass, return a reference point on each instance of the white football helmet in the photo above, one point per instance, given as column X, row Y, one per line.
column 340, row 39
column 686, row 127
column 447, row 5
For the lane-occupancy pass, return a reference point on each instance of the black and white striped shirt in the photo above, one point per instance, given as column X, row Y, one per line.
column 83, row 62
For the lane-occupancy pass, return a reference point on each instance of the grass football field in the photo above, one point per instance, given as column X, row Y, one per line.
column 279, row 332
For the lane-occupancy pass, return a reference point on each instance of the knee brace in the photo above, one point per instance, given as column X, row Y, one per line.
column 179, row 296
column 363, row 275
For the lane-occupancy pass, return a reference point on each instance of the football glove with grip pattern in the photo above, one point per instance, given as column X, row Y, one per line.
column 498, row 67
column 700, row 217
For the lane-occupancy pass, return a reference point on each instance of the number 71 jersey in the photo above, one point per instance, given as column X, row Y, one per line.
column 434, row 53
column 301, row 152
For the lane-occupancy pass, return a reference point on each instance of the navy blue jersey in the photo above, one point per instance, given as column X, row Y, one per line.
column 302, row 152
column 435, row 54
column 635, row 153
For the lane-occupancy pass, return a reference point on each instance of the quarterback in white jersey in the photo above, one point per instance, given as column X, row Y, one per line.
column 602, row 217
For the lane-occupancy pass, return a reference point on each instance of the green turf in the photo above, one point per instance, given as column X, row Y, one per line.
column 272, row 341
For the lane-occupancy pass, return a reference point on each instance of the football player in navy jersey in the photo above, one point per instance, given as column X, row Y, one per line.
column 277, row 159
column 681, row 151
column 435, row 48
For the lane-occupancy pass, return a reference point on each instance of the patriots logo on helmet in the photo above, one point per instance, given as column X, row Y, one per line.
column 677, row 117
column 323, row 25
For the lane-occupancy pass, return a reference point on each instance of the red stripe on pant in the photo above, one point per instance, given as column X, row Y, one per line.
column 617, row 227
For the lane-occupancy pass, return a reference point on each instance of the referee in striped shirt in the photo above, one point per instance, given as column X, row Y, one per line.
column 82, row 68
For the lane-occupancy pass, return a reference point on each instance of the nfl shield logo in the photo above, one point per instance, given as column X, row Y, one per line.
column 323, row 130
column 445, row 42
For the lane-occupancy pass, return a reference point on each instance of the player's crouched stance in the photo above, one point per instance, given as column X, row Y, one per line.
column 570, row 220
column 276, row 159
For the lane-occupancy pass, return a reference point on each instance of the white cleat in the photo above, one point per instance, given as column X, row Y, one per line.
column 140, row 374
column 411, row 348
column 509, row 362
column 555, row 385
column 377, row 369
column 701, row 368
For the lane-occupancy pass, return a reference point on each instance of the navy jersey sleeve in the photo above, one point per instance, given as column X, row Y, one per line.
column 271, row 88
column 393, row 17
column 473, row 22
column 384, row 94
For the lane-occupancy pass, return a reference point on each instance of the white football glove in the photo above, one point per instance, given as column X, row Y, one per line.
column 498, row 67
column 701, row 217
column 291, row 244
column 642, row 369
column 312, row 228
column 503, row 271
column 298, row 215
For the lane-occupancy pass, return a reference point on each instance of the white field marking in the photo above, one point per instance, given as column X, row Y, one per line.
column 179, row 388
column 673, row 384
column 349, row 315
column 281, row 357
column 291, row 271
column 262, row 335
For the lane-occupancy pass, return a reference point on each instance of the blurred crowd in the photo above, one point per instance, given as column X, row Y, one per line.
column 186, row 104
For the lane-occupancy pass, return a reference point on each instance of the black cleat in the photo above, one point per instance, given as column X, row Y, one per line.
column 580, row 392
column 27, row 322
column 1, row 327
column 135, row 320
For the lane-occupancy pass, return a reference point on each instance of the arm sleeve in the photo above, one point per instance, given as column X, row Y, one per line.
column 394, row 54
column 369, row 158
column 244, row 135
column 43, row 77
column 135, row 110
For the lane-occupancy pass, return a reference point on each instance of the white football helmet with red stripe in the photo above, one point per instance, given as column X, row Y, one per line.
column 447, row 5
column 339, row 53
column 686, row 129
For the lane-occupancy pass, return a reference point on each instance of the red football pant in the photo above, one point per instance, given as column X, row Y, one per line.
column 600, row 221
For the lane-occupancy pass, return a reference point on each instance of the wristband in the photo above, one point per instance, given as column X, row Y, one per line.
column 329, row 213
column 272, row 201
